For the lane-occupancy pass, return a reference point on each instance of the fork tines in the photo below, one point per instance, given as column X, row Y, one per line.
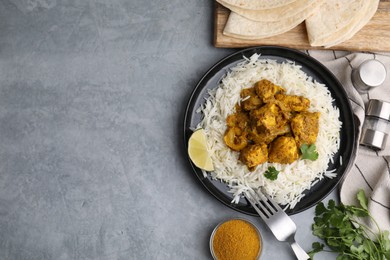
column 262, row 203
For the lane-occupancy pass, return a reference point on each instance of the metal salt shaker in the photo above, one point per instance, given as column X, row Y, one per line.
column 376, row 127
column 369, row 74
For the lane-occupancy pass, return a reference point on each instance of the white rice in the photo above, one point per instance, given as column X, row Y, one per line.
column 293, row 178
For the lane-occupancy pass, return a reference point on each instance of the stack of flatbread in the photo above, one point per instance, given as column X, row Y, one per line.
column 328, row 22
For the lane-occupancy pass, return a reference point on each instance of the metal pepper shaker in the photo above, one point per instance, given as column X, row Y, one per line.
column 369, row 74
column 376, row 126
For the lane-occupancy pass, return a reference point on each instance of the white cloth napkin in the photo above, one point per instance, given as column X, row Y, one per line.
column 371, row 170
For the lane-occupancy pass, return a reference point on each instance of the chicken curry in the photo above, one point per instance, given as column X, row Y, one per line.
column 270, row 126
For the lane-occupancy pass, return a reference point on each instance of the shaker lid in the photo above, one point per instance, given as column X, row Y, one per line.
column 378, row 108
column 372, row 73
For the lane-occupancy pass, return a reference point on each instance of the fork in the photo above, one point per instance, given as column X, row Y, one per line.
column 277, row 220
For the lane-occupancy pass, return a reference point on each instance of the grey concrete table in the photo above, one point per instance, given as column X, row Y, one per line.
column 92, row 165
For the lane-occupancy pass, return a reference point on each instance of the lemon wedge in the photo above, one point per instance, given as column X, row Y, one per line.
column 197, row 150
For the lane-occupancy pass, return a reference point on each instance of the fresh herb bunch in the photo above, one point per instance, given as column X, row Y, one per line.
column 342, row 232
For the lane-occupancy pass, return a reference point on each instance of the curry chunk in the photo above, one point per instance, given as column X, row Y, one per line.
column 235, row 138
column 283, row 150
column 292, row 102
column 269, row 116
column 254, row 155
column 266, row 90
column 305, row 127
column 261, row 135
column 240, row 120
column 252, row 100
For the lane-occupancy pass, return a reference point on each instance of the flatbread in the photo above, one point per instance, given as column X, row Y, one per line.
column 274, row 14
column 332, row 17
column 258, row 4
column 366, row 17
column 238, row 26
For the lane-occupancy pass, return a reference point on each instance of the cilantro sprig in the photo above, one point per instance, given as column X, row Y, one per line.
column 271, row 173
column 309, row 152
column 339, row 227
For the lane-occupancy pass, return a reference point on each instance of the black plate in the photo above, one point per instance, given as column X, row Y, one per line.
column 319, row 73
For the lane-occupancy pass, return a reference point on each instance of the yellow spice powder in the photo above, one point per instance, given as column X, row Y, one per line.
column 236, row 240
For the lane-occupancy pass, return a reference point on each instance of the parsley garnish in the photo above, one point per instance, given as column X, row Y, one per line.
column 271, row 173
column 309, row 152
column 342, row 232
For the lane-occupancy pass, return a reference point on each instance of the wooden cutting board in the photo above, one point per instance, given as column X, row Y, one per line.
column 375, row 36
